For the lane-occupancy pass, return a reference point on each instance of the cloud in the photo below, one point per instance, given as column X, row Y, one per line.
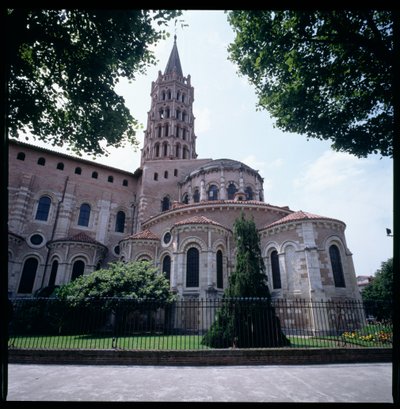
column 254, row 162
column 330, row 170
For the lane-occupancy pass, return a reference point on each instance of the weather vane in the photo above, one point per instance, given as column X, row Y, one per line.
column 182, row 24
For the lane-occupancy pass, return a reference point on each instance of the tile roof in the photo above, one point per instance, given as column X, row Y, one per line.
column 198, row 220
column 144, row 234
column 80, row 237
column 299, row 216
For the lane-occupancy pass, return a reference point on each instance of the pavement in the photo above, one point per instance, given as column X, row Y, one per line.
column 270, row 383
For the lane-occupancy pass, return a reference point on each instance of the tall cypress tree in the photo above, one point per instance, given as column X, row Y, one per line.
column 246, row 318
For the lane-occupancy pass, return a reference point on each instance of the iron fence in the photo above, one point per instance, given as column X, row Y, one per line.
column 120, row 323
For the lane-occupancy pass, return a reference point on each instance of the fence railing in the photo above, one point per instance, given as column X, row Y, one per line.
column 120, row 323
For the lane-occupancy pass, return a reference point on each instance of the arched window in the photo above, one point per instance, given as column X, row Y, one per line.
column 185, row 198
column 84, row 215
column 43, row 209
column 249, row 193
column 157, row 149
column 185, row 153
column 53, row 273
column 120, row 222
column 41, row 161
column 196, row 196
column 183, row 116
column 337, row 268
column 169, row 94
column 183, row 97
column 177, row 150
column 167, row 113
column 28, row 276
column 78, row 170
column 165, row 149
column 21, row 156
column 178, row 114
column 276, row 273
column 165, row 204
column 163, row 95
column 161, row 114
column 184, row 134
column 175, row 172
column 166, row 267
column 125, row 182
column 77, row 269
column 155, row 176
column 110, row 179
column 213, row 192
column 220, row 271
column 166, row 174
column 231, row 191
column 95, row 175
column 60, row 166
column 159, row 131
column 166, row 132
column 178, row 94
column 192, row 268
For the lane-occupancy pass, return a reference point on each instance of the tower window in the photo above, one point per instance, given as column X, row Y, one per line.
column 41, row 161
column 196, row 196
column 120, row 222
column 166, row 174
column 95, row 175
column 78, row 171
column 28, row 276
column 184, row 116
column 276, row 273
column 175, row 172
column 184, row 134
column 249, row 193
column 159, row 131
column 165, row 204
column 60, row 166
column 84, row 215
column 213, row 193
column 192, row 268
column 220, row 275
column 231, row 191
column 337, row 268
column 185, row 198
column 157, row 150
column 166, row 267
column 21, row 156
column 155, row 176
column 125, row 182
column 43, row 208
column 110, row 179
column 169, row 94
column 165, row 149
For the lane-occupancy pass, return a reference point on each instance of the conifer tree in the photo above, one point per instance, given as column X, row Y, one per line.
column 247, row 318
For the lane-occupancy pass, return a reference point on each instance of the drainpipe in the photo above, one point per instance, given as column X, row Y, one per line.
column 54, row 229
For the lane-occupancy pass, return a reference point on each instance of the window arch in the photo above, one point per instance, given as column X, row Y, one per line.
column 213, row 192
column 43, row 208
column 53, row 273
column 337, row 268
column 60, row 166
column 231, row 191
column 166, row 267
column 196, row 196
column 120, row 222
column 95, row 175
column 165, row 204
column 21, row 156
column 84, row 215
column 78, row 269
column 192, row 267
column 28, row 276
column 220, row 270
column 249, row 193
column 41, row 161
column 276, row 273
column 78, row 170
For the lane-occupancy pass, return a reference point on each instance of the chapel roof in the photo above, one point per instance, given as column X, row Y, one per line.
column 174, row 62
column 81, row 238
column 143, row 235
column 198, row 220
column 300, row 216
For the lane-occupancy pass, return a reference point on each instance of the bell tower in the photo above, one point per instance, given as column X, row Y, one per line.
column 170, row 121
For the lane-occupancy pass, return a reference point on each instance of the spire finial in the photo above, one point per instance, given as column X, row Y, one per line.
column 175, row 38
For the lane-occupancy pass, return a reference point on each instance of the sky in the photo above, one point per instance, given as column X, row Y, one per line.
column 304, row 175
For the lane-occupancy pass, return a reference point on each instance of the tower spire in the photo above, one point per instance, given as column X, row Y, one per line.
column 174, row 62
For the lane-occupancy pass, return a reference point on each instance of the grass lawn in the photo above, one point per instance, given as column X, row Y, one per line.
column 161, row 342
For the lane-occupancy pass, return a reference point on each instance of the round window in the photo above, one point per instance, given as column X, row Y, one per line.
column 36, row 239
column 167, row 237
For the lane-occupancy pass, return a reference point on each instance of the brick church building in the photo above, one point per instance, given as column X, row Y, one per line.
column 69, row 216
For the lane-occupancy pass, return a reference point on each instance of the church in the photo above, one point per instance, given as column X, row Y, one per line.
column 70, row 216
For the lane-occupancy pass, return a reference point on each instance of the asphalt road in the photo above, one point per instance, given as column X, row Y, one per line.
column 272, row 383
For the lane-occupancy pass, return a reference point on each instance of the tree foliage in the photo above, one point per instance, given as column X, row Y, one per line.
column 324, row 73
column 246, row 318
column 63, row 68
column 134, row 280
column 381, row 287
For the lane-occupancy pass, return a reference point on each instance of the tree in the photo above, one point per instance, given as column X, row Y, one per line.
column 378, row 294
column 133, row 280
column 325, row 74
column 246, row 318
column 63, row 66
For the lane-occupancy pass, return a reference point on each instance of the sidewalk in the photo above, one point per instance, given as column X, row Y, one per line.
column 272, row 383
